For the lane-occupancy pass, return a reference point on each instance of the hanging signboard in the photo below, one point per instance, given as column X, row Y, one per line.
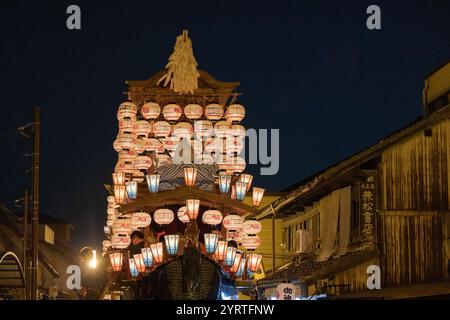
column 368, row 207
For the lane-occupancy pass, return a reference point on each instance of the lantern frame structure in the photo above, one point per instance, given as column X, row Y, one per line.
column 211, row 240
column 242, row 267
column 224, row 183
column 241, row 190
column 230, row 256
column 153, row 182
column 119, row 178
column 237, row 262
column 139, row 262
column 192, row 206
column 147, row 256
column 133, row 268
column 247, row 178
column 190, row 175
column 257, row 196
column 120, row 194
column 116, row 259
column 157, row 252
column 132, row 189
column 172, row 241
column 221, row 249
column 254, row 261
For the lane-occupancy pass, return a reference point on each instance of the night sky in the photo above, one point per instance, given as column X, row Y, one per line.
column 310, row 68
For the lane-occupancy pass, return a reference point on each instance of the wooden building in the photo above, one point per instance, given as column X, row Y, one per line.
column 385, row 206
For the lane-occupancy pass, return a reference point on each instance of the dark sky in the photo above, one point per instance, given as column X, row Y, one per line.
column 310, row 68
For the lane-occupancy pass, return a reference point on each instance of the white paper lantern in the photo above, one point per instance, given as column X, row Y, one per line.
column 232, row 222
column 150, row 110
column 251, row 227
column 196, row 145
column 193, row 111
column 212, row 217
column 183, row 130
column 163, row 216
column 126, row 109
column 153, row 145
column 238, row 130
column 222, row 129
column 287, row 291
column 214, row 145
column 233, row 145
column 139, row 145
column 143, row 163
column 171, row 143
column 116, row 145
column 203, row 129
column 120, row 241
column 142, row 128
column 125, row 140
column 127, row 155
column 161, row 129
column 124, row 166
column 141, row 219
column 172, row 112
column 128, row 125
column 250, row 242
column 235, row 113
column 214, row 111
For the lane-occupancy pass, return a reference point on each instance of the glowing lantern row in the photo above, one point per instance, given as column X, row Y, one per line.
column 119, row 241
column 232, row 222
column 221, row 250
column 250, row 242
column 163, row 216
column 254, row 261
column 157, row 252
column 116, row 260
column 148, row 256
column 193, row 111
column 183, row 130
column 224, row 183
column 212, row 217
column 190, row 175
column 251, row 227
column 150, row 110
column 172, row 241
column 235, row 112
column 141, row 219
column 153, row 182
column 172, row 112
column 192, row 206
column 241, row 190
column 211, row 241
column 153, row 145
column 132, row 187
column 237, row 262
column 127, row 109
column 230, row 255
column 214, row 111
column 161, row 129
column 182, row 214
column 139, row 145
column 258, row 194
column 247, row 178
column 139, row 262
column 143, row 128
column 118, row 179
column 120, row 193
column 133, row 269
column 241, row 268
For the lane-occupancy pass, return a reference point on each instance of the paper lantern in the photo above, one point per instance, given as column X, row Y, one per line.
column 182, row 214
column 163, row 216
column 248, row 179
column 143, row 163
column 250, row 242
column 161, row 129
column 127, row 125
column 251, row 227
column 116, row 145
column 157, row 252
column 120, row 193
column 214, row 111
column 139, row 262
column 127, row 155
column 235, row 235
column 133, row 269
column 204, row 159
column 118, row 179
column 212, row 217
column 221, row 250
column 139, row 145
column 172, row 112
column 211, row 240
column 232, row 222
column 190, row 174
column 120, row 241
column 138, row 176
column 148, row 256
column 125, row 140
column 192, row 206
column 214, row 145
column 241, row 269
column 183, row 130
column 237, row 164
column 143, row 128
column 241, row 189
column 233, row 145
column 132, row 188
column 237, row 130
column 237, row 262
column 116, row 259
column 150, row 110
column 153, row 182
column 254, row 261
column 224, row 183
column 141, row 219
column 235, row 113
column 127, row 109
column 230, row 255
column 172, row 241
column 193, row 111
column 222, row 129
column 110, row 222
column 122, row 226
column 124, row 166
column 196, row 145
column 286, row 291
column 203, row 129
column 258, row 194
column 153, row 145
column 171, row 143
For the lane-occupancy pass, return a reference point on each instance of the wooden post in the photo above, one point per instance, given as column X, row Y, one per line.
column 25, row 245
column 273, row 239
column 35, row 213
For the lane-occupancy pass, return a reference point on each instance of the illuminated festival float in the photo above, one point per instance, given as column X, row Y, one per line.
column 176, row 224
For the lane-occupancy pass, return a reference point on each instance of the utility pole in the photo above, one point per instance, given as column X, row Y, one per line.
column 25, row 246
column 35, row 213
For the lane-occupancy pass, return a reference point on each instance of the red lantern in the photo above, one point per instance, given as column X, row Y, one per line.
column 192, row 206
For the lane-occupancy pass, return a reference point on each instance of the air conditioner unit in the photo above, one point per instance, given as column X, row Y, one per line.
column 304, row 241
